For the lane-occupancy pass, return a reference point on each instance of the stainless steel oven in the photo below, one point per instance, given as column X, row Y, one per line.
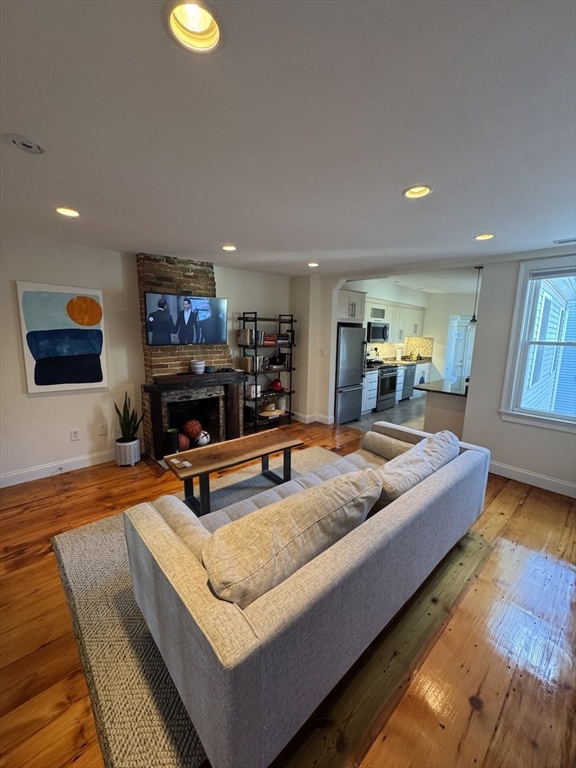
column 386, row 396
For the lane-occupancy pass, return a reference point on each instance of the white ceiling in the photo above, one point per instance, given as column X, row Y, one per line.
column 296, row 140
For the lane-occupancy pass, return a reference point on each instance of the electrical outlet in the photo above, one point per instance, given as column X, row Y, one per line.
column 74, row 434
column 102, row 429
column 322, row 353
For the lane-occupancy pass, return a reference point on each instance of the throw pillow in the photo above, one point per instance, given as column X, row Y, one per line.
column 250, row 556
column 384, row 445
column 183, row 522
column 413, row 466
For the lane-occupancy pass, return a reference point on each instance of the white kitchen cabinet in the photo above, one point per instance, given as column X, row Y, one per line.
column 397, row 320
column 351, row 305
column 370, row 392
column 376, row 310
column 422, row 377
column 403, row 321
column 399, row 383
column 413, row 322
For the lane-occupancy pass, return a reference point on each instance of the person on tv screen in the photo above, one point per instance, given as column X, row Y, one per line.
column 160, row 324
column 187, row 326
column 214, row 326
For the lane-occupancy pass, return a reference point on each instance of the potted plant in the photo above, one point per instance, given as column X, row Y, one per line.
column 128, row 446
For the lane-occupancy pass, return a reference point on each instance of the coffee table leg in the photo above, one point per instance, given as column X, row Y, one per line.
column 189, row 488
column 204, row 494
column 287, row 464
column 287, row 473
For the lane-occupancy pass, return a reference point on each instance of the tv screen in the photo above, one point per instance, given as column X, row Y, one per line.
column 184, row 319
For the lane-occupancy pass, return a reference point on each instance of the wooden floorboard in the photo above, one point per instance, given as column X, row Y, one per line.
column 493, row 683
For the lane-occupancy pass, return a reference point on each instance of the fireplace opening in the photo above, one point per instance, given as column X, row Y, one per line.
column 208, row 411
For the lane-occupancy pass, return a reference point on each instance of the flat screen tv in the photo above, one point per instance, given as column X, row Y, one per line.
column 184, row 319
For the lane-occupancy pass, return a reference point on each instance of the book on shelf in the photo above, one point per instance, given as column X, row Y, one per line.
column 246, row 364
column 245, row 336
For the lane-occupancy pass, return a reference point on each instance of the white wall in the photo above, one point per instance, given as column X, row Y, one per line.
column 35, row 434
column 35, row 428
column 542, row 457
column 300, row 306
column 247, row 291
column 440, row 307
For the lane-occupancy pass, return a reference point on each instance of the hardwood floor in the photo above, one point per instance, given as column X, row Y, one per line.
column 496, row 687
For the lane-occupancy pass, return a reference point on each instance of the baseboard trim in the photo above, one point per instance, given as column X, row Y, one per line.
column 55, row 468
column 533, row 478
column 311, row 417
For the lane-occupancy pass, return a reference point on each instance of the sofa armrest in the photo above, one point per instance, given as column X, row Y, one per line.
column 409, row 435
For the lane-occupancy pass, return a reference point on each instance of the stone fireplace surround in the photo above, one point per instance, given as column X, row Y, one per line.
column 166, row 367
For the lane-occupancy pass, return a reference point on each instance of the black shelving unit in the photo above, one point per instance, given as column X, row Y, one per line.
column 266, row 338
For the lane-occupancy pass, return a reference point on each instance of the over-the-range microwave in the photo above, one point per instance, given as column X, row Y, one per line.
column 378, row 332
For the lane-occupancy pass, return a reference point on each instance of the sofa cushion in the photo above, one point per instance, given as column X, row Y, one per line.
column 383, row 445
column 250, row 556
column 183, row 522
column 410, row 468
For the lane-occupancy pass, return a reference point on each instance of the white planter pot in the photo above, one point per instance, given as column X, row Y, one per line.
column 127, row 454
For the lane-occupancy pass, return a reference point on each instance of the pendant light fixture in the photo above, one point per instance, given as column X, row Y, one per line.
column 473, row 321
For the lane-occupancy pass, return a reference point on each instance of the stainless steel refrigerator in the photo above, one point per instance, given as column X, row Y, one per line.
column 349, row 372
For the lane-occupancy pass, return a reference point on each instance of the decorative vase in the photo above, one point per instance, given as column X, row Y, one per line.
column 171, row 440
column 127, row 454
column 281, row 403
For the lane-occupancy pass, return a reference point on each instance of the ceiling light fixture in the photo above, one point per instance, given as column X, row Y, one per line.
column 229, row 247
column 21, row 142
column 473, row 321
column 485, row 236
column 421, row 190
column 193, row 24
column 65, row 210
column 312, row 264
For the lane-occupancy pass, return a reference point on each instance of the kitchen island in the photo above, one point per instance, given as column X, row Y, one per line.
column 445, row 404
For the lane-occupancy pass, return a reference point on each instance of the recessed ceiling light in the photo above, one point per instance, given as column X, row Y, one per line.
column 64, row 210
column 312, row 264
column 229, row 247
column 485, row 236
column 421, row 190
column 193, row 24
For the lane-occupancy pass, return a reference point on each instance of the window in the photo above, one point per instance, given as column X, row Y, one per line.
column 540, row 384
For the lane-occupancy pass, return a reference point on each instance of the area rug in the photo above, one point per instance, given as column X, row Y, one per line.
column 140, row 719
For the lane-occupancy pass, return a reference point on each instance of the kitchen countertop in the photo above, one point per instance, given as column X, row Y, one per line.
column 393, row 361
column 409, row 362
column 458, row 387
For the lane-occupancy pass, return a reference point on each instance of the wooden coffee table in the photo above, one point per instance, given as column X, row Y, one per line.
column 199, row 462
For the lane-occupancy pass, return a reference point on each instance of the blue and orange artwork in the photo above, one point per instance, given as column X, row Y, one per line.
column 63, row 337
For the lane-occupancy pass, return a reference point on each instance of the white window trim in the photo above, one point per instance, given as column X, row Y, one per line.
column 513, row 369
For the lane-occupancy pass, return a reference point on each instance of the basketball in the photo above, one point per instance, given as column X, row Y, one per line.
column 203, row 438
column 192, row 429
column 183, row 442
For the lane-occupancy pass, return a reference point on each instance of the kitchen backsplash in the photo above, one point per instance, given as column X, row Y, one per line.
column 421, row 345
column 384, row 350
column 418, row 344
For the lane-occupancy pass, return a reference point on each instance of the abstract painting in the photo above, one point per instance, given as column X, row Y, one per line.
column 63, row 337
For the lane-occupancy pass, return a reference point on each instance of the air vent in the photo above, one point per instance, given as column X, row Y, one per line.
column 21, row 142
column 567, row 241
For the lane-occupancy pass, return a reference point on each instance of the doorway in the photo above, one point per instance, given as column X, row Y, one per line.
column 459, row 346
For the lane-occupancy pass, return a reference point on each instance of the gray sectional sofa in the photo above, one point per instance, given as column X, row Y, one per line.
column 259, row 609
